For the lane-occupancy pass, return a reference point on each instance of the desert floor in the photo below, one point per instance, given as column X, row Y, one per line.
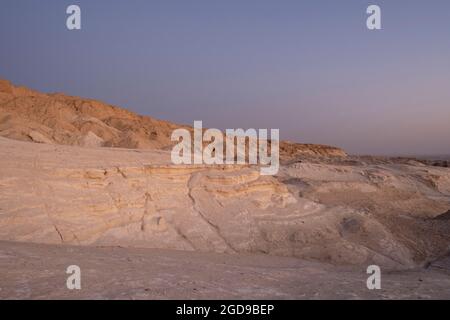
column 35, row 271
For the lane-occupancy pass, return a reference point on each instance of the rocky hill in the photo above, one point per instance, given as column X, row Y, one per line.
column 29, row 115
column 32, row 116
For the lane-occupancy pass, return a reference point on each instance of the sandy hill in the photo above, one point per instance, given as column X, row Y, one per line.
column 32, row 116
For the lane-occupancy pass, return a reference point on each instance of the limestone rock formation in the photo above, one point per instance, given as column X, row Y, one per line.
column 67, row 183
column 335, row 212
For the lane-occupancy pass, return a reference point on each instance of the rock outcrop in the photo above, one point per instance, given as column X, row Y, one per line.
column 66, row 183
column 28, row 115
column 337, row 212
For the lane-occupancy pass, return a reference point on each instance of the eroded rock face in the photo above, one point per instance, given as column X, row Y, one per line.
column 291, row 150
column 28, row 115
column 149, row 205
column 400, row 203
column 338, row 213
column 323, row 204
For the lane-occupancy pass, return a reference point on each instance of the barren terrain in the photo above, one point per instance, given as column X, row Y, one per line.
column 32, row 271
column 141, row 227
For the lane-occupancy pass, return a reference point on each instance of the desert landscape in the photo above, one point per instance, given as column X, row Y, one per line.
column 86, row 183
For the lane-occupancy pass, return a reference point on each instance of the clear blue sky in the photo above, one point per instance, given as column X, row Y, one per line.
column 309, row 68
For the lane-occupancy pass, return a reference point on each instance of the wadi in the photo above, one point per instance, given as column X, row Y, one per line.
column 89, row 184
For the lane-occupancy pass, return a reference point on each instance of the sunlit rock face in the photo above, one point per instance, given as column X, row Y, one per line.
column 65, row 183
column 334, row 212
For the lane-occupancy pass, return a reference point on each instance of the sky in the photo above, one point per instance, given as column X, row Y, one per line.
column 310, row 68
